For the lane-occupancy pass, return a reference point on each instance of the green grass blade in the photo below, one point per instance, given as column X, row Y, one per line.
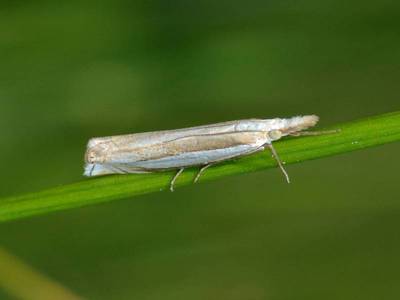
column 352, row 136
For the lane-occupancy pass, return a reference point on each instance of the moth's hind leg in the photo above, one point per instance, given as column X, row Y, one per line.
column 201, row 171
column 171, row 187
column 91, row 170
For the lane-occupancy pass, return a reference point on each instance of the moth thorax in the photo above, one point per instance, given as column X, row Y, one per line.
column 274, row 134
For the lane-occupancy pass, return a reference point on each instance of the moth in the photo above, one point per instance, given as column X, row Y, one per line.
column 201, row 146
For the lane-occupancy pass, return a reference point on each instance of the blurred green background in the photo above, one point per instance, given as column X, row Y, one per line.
column 78, row 69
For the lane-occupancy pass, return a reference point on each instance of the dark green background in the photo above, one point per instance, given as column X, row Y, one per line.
column 73, row 70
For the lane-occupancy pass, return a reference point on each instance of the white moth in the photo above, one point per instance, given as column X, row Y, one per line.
column 195, row 146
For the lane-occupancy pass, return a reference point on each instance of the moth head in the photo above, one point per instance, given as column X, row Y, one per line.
column 296, row 124
column 274, row 134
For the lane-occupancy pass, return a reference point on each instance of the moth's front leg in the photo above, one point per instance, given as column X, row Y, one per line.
column 278, row 160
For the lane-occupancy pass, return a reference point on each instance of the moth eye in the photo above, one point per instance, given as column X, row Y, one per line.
column 275, row 134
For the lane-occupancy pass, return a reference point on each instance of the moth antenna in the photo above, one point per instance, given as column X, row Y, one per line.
column 311, row 133
column 278, row 160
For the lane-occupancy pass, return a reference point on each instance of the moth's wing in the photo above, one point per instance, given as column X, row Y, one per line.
column 156, row 137
column 195, row 150
column 181, row 152
column 104, row 169
column 196, row 159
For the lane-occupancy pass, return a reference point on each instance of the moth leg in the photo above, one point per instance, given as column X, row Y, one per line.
column 119, row 170
column 201, row 171
column 278, row 160
column 91, row 170
column 171, row 187
column 310, row 133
